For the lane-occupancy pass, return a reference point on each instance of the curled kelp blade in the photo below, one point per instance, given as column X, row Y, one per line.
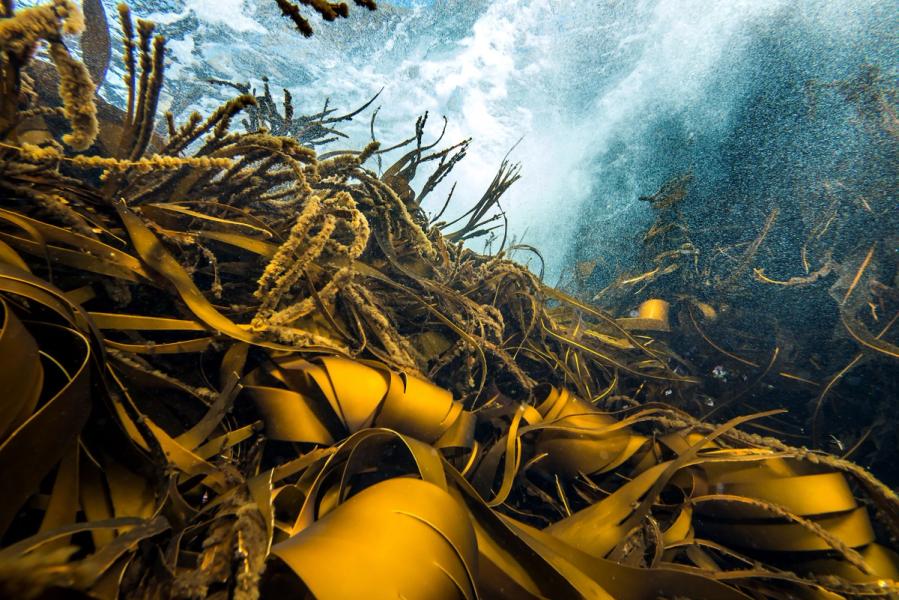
column 358, row 395
column 22, row 374
column 23, row 454
column 37, row 353
column 402, row 537
column 514, row 547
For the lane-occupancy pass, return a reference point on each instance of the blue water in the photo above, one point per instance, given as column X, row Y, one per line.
column 609, row 99
column 785, row 107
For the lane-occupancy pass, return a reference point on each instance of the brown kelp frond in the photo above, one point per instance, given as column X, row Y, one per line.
column 77, row 92
column 871, row 92
column 148, row 97
column 672, row 192
column 21, row 31
column 129, row 58
column 329, row 11
column 400, row 174
column 37, row 154
column 219, row 121
column 143, row 78
column 480, row 221
column 750, row 252
column 232, row 367
column 310, row 130
column 667, row 248
column 96, row 42
column 292, row 12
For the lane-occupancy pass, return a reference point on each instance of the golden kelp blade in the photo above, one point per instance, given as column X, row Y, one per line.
column 577, row 438
column 25, row 458
column 652, row 315
column 358, row 395
column 399, row 538
column 22, row 374
column 522, row 552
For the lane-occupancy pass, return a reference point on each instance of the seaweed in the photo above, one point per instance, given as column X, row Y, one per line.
column 751, row 290
column 329, row 11
column 310, row 130
column 234, row 367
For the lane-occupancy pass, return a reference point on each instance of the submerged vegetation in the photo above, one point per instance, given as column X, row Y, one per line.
column 799, row 302
column 233, row 366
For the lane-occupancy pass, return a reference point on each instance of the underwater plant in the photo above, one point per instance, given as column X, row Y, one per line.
column 329, row 11
column 310, row 130
column 233, row 367
column 796, row 308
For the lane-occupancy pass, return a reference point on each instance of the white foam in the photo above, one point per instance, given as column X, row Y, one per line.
column 234, row 14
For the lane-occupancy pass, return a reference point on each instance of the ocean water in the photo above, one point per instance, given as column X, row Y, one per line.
column 608, row 98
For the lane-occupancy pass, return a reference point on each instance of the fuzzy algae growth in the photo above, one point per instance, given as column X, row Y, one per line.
column 232, row 367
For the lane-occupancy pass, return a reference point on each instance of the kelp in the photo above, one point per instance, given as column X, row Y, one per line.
column 329, row 11
column 310, row 130
column 245, row 369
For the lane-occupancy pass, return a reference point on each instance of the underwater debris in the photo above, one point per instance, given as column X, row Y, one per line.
column 246, row 368
column 873, row 95
column 666, row 248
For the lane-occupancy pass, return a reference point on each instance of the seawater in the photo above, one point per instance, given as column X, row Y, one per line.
column 608, row 98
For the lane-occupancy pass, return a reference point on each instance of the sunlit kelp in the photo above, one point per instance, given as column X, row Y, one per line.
column 235, row 365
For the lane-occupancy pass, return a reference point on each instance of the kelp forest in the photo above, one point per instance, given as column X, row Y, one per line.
column 237, row 364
